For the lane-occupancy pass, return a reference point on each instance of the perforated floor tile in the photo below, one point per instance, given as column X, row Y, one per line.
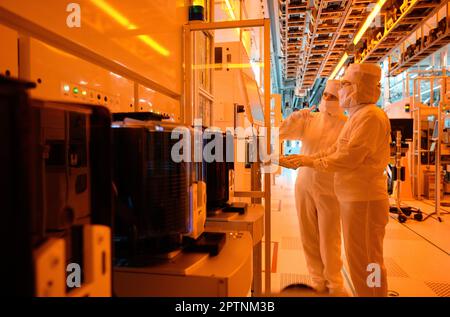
column 287, row 279
column 441, row 289
column 393, row 269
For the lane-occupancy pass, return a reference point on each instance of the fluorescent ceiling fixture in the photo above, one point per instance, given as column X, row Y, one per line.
column 122, row 20
column 232, row 15
column 153, row 44
column 230, row 9
column 115, row 75
column 339, row 65
column 341, row 72
column 113, row 13
column 368, row 21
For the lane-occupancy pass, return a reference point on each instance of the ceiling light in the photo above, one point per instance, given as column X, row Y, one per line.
column 112, row 12
column 153, row 44
column 230, row 9
column 122, row 20
column 369, row 20
column 339, row 65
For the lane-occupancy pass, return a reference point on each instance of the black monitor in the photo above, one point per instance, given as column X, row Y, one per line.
column 405, row 126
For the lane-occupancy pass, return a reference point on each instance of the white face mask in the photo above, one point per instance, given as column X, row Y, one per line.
column 347, row 96
column 330, row 106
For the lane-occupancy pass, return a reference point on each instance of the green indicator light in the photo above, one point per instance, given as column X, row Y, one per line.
column 75, row 90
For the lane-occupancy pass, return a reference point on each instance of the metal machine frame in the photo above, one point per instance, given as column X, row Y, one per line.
column 417, row 113
column 253, row 222
column 188, row 107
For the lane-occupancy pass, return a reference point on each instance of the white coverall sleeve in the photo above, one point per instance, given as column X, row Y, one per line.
column 350, row 152
column 324, row 153
column 293, row 127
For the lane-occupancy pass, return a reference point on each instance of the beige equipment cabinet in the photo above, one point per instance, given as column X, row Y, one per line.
column 193, row 274
column 252, row 222
column 50, row 269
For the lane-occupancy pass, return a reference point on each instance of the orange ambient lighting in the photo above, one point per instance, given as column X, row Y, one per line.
column 122, row 20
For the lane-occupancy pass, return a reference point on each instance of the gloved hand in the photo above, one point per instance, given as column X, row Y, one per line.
column 295, row 161
column 305, row 112
column 284, row 161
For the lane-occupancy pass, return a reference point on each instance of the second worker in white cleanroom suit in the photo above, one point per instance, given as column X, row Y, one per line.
column 316, row 203
column 358, row 160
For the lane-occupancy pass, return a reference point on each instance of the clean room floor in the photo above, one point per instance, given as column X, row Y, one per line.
column 416, row 253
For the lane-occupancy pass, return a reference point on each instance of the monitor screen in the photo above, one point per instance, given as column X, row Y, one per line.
column 435, row 130
column 405, row 126
column 447, row 123
column 433, row 147
column 254, row 103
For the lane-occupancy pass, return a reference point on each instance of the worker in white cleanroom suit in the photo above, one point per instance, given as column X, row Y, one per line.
column 358, row 160
column 316, row 203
